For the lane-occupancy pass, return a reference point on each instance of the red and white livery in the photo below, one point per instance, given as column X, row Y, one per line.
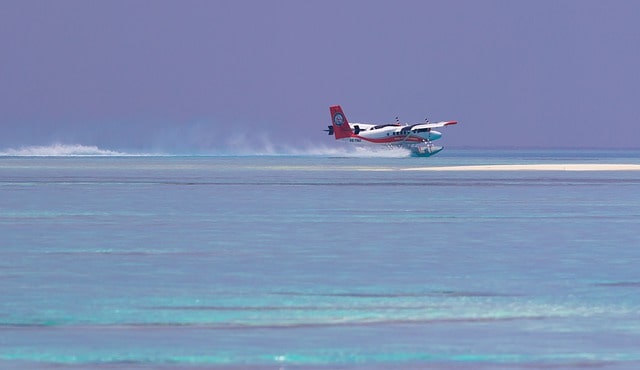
column 416, row 137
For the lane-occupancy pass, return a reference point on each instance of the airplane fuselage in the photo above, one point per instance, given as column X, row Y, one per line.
column 393, row 134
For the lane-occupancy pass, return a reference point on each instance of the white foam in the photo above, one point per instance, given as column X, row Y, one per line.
column 60, row 150
column 352, row 151
column 381, row 152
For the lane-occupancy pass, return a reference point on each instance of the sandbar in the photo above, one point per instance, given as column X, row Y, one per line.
column 535, row 167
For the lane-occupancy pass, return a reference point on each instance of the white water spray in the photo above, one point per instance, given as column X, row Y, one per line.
column 61, row 150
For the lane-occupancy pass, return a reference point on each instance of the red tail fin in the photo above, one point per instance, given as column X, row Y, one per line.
column 341, row 128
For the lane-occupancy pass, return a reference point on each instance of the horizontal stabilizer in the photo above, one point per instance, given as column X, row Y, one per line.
column 329, row 130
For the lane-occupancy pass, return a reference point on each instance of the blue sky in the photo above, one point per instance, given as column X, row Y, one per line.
column 202, row 75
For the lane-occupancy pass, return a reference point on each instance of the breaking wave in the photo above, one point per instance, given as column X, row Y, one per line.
column 62, row 150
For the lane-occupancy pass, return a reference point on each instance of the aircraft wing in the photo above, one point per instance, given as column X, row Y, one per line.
column 422, row 126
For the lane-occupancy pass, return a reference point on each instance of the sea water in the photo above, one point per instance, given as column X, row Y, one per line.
column 319, row 262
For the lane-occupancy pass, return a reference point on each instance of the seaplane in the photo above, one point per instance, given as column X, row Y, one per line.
column 418, row 137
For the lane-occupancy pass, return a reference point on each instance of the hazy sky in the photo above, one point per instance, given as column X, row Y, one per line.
column 202, row 75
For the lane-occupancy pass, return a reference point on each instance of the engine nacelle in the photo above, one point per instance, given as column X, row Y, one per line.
column 433, row 135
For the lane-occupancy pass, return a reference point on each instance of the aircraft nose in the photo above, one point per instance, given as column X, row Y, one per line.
column 434, row 135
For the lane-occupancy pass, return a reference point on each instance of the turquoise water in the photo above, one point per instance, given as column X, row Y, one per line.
column 319, row 262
